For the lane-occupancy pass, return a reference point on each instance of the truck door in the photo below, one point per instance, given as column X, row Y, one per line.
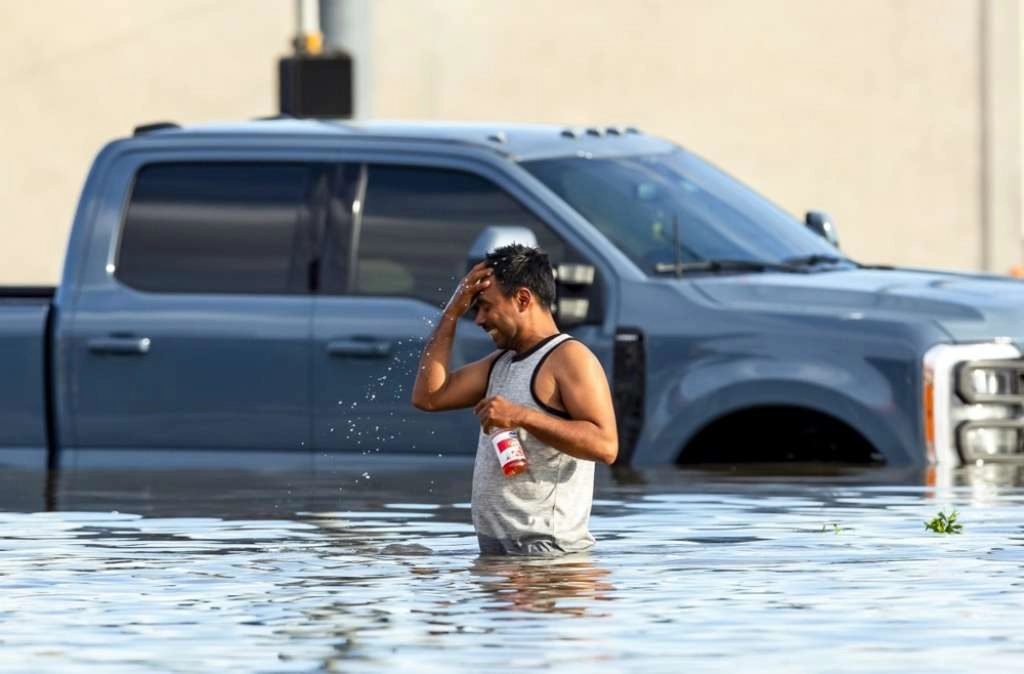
column 200, row 339
column 396, row 245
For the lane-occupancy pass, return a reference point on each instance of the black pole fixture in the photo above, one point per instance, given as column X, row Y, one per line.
column 316, row 85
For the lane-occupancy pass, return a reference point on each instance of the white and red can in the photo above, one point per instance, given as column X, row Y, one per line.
column 510, row 451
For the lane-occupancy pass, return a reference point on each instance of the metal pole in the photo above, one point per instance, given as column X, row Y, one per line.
column 332, row 24
column 308, row 40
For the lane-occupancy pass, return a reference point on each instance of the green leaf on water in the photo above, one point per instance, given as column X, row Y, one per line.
column 944, row 524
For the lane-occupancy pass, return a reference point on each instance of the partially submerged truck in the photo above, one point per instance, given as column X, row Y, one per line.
column 265, row 287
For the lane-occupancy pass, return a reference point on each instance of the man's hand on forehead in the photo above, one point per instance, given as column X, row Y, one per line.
column 475, row 282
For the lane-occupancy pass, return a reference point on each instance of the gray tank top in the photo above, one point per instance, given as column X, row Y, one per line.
column 544, row 510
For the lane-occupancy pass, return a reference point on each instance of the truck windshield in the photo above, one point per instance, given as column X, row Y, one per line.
column 648, row 204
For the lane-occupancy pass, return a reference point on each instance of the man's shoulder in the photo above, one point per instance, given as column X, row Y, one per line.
column 571, row 352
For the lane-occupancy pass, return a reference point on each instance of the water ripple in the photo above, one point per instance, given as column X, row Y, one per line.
column 710, row 574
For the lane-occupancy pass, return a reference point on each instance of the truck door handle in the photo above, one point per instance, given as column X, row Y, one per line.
column 359, row 347
column 120, row 346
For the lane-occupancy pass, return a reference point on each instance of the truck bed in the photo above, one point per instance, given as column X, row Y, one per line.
column 27, row 292
column 24, row 315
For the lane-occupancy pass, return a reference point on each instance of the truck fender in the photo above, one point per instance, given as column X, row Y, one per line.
column 863, row 401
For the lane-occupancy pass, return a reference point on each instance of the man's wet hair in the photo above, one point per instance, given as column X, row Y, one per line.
column 519, row 266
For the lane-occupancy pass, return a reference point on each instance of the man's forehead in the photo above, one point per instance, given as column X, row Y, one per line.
column 493, row 292
column 490, row 295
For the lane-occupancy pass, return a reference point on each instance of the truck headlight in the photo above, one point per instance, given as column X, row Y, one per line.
column 992, row 439
column 972, row 399
column 989, row 381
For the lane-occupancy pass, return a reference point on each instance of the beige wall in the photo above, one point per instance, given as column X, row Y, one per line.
column 872, row 110
column 900, row 117
column 77, row 73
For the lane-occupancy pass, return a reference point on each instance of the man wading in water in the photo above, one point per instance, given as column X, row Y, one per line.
column 539, row 380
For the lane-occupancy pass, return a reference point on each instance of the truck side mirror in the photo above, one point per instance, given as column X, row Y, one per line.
column 573, row 281
column 496, row 237
column 822, row 224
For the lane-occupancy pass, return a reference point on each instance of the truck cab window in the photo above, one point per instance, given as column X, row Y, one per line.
column 419, row 223
column 221, row 228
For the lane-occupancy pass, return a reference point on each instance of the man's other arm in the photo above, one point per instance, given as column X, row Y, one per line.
column 591, row 432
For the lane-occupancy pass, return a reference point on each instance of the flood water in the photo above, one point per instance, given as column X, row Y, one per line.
column 373, row 567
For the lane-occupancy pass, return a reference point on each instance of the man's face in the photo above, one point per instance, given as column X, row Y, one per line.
column 498, row 315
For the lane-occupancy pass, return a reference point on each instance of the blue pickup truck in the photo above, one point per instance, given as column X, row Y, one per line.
column 267, row 287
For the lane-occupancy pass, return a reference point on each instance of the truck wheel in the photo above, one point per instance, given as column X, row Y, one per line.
column 779, row 434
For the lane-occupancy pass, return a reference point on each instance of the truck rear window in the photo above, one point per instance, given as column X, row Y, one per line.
column 219, row 228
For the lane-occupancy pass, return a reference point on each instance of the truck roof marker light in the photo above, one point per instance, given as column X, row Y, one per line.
column 569, row 133
column 498, row 137
column 154, row 126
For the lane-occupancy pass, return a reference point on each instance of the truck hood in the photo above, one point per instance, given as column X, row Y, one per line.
column 970, row 307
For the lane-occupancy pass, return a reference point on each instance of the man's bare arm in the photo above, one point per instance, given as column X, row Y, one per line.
column 591, row 433
column 436, row 388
